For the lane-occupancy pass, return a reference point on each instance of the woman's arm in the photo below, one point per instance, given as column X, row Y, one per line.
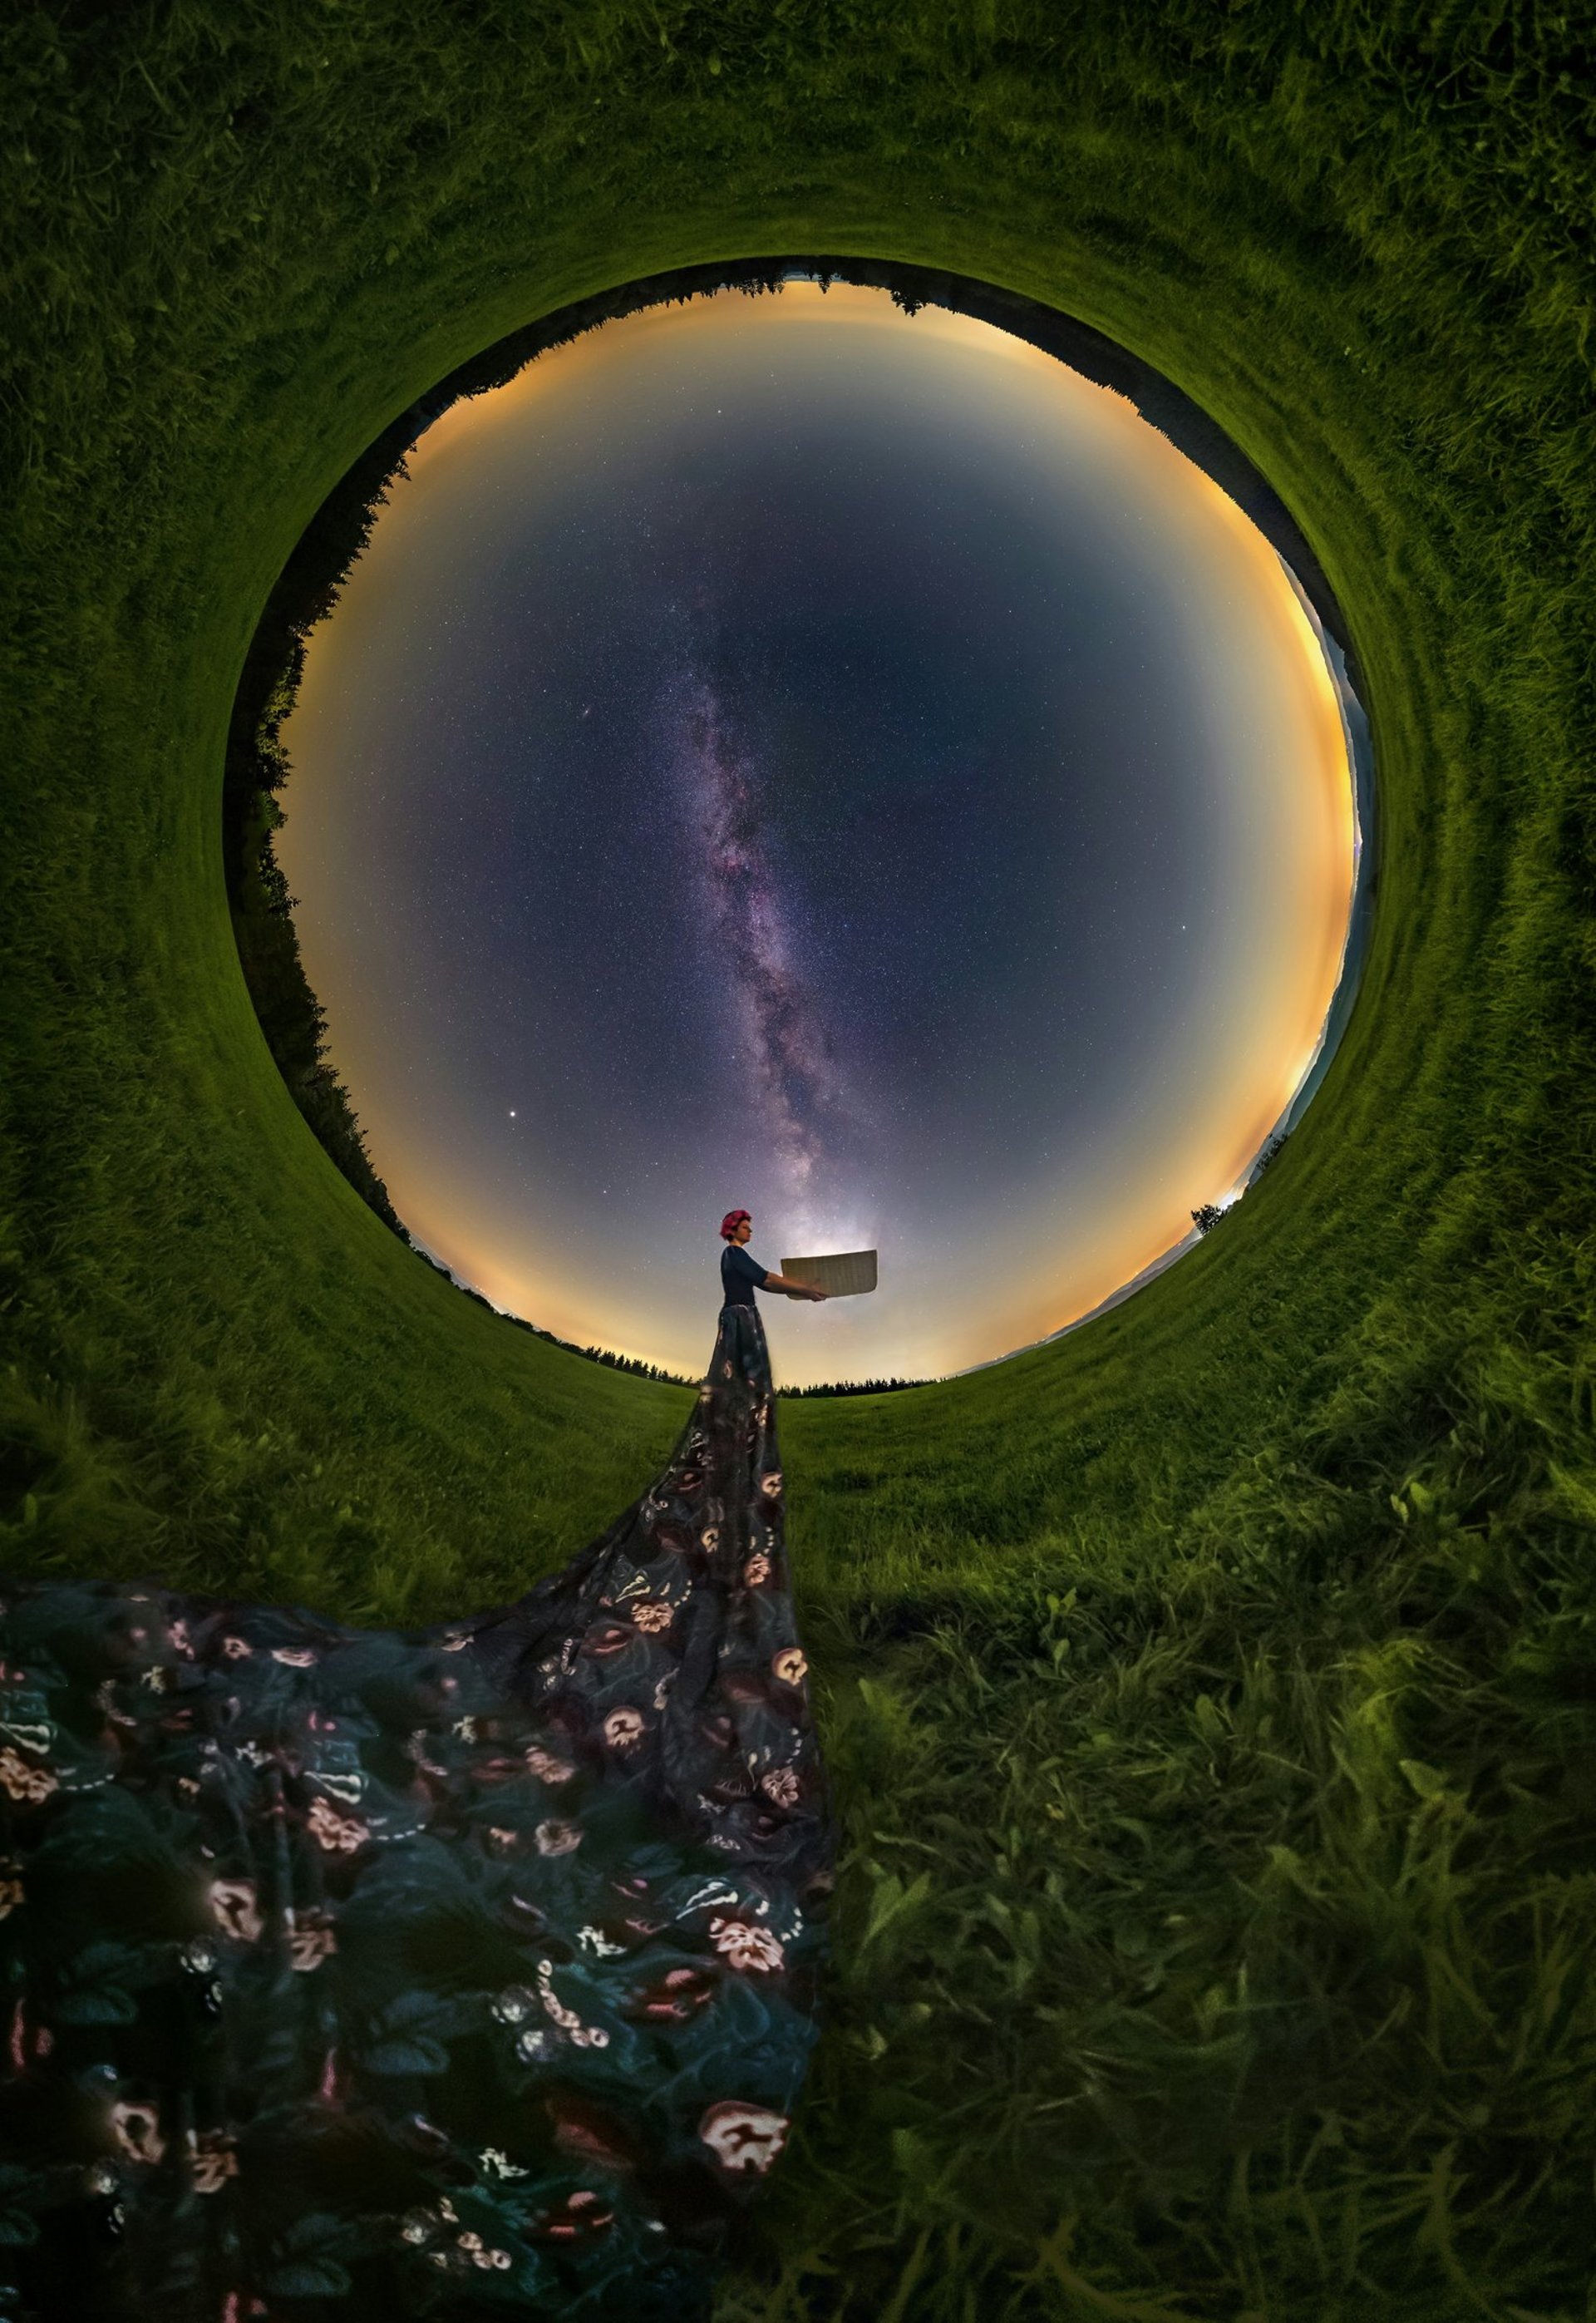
column 794, row 1289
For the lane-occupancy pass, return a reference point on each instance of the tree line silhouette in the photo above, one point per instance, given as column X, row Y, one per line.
column 1207, row 1216
column 856, row 1387
column 256, row 764
column 652, row 1371
column 257, row 767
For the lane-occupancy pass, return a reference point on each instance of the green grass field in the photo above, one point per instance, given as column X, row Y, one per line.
column 1209, row 1696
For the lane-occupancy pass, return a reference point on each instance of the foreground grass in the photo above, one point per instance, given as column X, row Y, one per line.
column 1215, row 1934
column 1209, row 1696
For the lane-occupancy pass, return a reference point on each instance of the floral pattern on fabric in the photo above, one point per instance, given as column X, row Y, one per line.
column 435, row 1973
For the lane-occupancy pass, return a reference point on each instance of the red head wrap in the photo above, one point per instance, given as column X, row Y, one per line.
column 730, row 1222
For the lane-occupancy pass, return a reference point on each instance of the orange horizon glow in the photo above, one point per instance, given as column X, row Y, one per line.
column 1082, row 1241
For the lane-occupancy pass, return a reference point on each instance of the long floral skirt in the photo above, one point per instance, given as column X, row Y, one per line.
column 456, row 1972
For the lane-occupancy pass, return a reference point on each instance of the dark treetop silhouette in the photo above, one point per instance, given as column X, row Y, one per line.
column 414, row 1973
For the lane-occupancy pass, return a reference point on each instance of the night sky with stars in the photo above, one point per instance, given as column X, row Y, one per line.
column 785, row 752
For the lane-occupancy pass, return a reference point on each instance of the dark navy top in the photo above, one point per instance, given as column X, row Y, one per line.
column 739, row 1275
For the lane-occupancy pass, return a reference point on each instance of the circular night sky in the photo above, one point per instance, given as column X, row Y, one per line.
column 782, row 753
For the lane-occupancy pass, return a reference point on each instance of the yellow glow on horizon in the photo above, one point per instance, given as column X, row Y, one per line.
column 1285, row 969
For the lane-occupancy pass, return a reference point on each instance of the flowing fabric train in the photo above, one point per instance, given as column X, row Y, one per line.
column 433, row 1973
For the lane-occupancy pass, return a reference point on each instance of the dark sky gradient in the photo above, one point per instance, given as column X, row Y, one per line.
column 782, row 752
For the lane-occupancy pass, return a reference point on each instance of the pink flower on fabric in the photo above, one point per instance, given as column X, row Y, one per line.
column 743, row 2137
column 587, row 2141
column 235, row 1649
column 311, row 1938
column 296, row 1656
column 547, row 1767
column 179, row 1637
column 771, row 1485
column 790, row 1665
column 37, row 2041
column 235, row 1909
column 603, row 1638
column 10, row 1890
column 654, row 1614
column 782, row 1786
column 138, row 2131
column 673, row 1999
column 755, row 1571
column 212, row 2159
column 339, row 1835
column 712, row 1537
column 555, row 1837
column 25, row 1781
column 623, row 1729
column 581, row 2213
column 745, row 1946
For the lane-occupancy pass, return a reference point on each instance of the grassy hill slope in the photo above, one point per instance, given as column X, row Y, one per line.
column 1209, row 1694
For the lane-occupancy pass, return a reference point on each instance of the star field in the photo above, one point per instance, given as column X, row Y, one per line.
column 785, row 753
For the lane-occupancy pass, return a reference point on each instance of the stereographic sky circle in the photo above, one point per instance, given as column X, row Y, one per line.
column 780, row 751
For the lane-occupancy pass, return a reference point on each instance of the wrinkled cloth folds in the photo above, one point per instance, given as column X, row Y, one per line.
column 441, row 1972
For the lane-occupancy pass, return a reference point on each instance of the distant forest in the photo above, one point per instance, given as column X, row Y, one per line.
column 257, row 767
column 311, row 584
column 856, row 1387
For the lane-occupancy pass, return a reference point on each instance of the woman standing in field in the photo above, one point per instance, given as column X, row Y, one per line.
column 418, row 1972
